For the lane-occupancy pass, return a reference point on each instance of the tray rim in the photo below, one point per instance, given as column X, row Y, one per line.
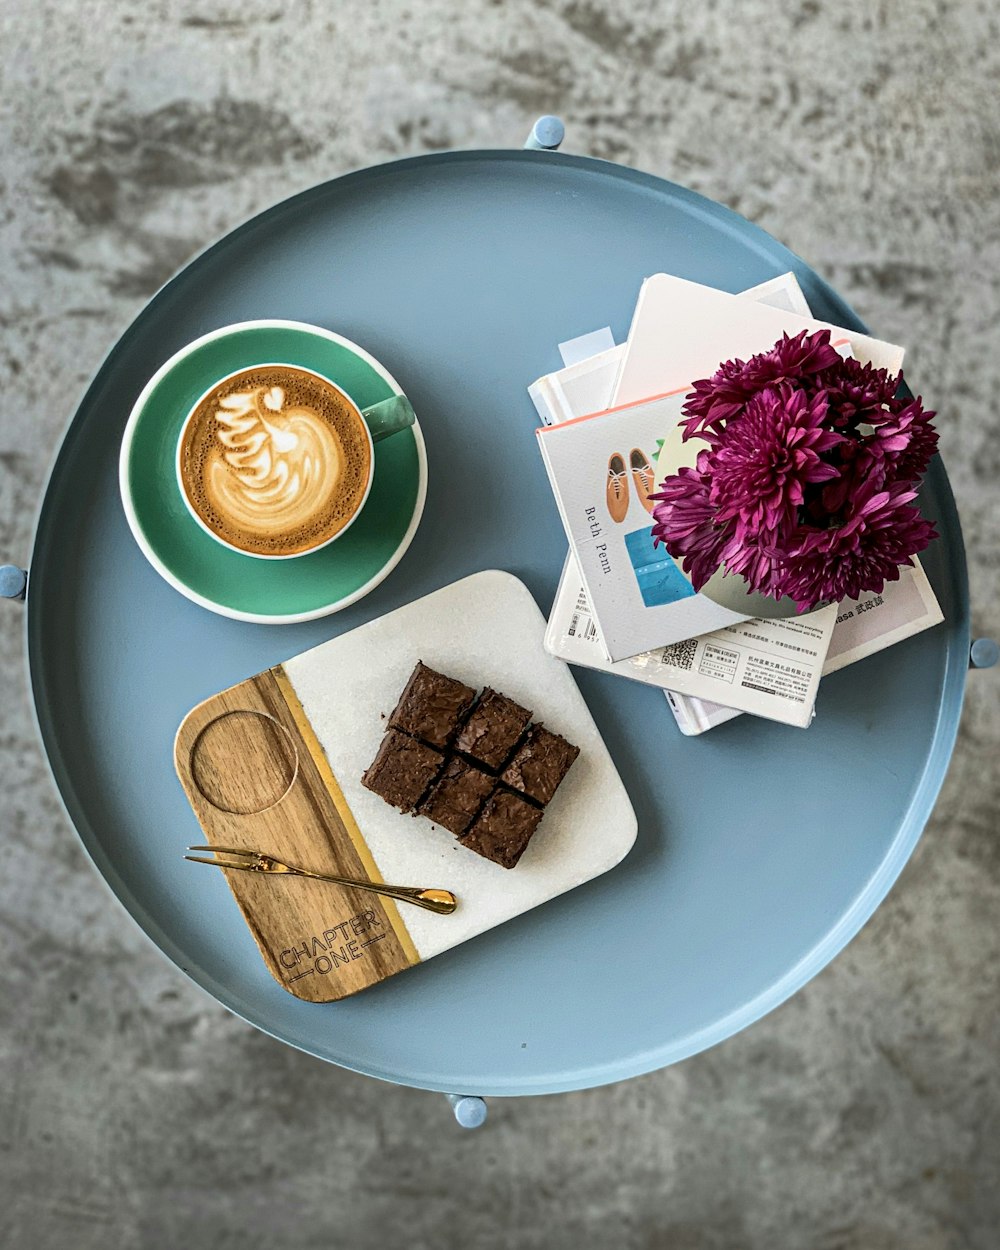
column 914, row 817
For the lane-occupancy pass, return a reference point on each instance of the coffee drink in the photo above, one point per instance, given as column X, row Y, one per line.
column 275, row 461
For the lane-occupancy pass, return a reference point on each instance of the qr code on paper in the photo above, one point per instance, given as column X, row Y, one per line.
column 680, row 654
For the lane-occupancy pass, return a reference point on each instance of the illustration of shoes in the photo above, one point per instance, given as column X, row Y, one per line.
column 617, row 488
column 643, row 477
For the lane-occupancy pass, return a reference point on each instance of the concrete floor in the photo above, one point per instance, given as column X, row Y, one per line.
column 860, row 1116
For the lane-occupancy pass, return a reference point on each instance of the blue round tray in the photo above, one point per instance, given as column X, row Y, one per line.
column 762, row 850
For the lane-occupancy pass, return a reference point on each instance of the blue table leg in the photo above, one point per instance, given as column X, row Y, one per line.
column 13, row 582
column 546, row 134
column 983, row 653
column 469, row 1110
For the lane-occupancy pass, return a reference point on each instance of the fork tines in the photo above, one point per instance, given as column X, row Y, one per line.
column 242, row 858
column 225, row 850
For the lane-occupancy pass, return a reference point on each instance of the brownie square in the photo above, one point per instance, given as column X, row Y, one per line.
column 503, row 828
column 431, row 706
column 402, row 770
column 540, row 764
column 456, row 796
column 493, row 730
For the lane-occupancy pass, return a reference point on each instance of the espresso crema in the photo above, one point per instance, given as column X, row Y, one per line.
column 275, row 461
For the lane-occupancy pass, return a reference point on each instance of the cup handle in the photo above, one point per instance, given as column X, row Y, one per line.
column 389, row 417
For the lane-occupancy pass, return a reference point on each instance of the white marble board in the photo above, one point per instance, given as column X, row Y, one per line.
column 485, row 630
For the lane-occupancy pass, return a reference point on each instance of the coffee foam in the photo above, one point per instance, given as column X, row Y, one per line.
column 275, row 461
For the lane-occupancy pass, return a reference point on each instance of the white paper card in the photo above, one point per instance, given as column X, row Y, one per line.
column 682, row 331
column 586, row 345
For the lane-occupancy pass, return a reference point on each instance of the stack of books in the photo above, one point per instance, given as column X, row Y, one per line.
column 609, row 435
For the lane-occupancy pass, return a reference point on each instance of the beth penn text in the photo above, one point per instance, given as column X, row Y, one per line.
column 600, row 549
column 325, row 952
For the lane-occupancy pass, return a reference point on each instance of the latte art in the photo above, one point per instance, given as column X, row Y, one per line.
column 275, row 461
column 277, row 466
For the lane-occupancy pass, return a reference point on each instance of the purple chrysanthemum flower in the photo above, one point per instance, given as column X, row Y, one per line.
column 893, row 444
column 762, row 462
column 684, row 511
column 805, row 488
column 854, row 391
column 905, row 441
column 756, row 559
column 856, row 464
column 714, row 401
column 882, row 531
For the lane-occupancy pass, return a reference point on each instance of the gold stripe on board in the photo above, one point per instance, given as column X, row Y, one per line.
column 304, row 727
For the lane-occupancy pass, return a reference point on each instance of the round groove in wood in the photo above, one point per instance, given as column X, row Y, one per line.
column 244, row 762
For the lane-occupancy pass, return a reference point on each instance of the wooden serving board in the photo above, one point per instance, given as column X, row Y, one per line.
column 258, row 780
column 274, row 764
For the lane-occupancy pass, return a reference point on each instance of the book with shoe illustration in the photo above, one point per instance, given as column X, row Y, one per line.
column 640, row 596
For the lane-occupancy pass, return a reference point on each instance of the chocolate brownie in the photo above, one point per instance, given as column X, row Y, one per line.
column 456, row 796
column 503, row 828
column 431, row 706
column 402, row 770
column 493, row 729
column 539, row 764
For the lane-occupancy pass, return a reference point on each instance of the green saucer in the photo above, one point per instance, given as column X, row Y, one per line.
column 239, row 586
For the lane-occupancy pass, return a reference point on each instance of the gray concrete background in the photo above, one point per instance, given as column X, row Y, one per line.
column 134, row 1112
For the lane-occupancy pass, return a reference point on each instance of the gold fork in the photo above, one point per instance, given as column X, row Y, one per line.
column 443, row 902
